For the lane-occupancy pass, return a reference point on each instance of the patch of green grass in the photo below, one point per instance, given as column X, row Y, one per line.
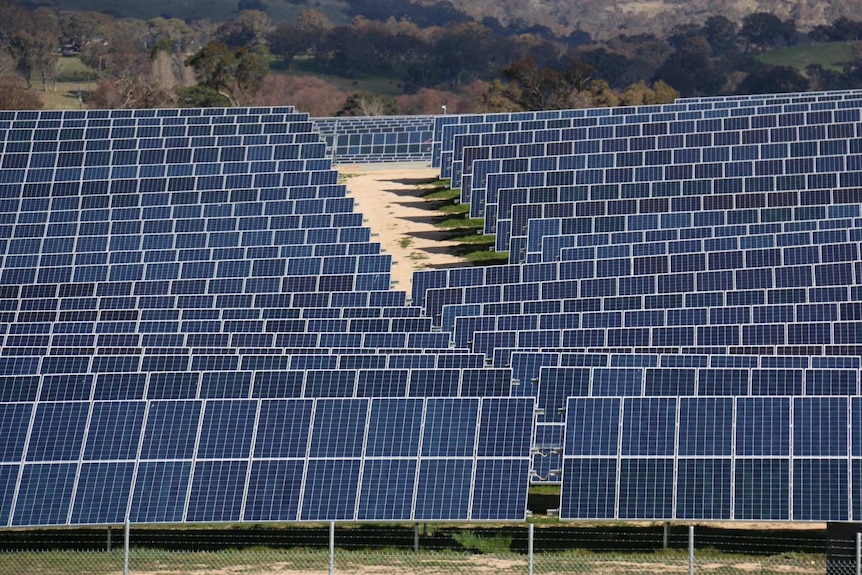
column 405, row 242
column 461, row 223
column 382, row 85
column 489, row 545
column 65, row 95
column 71, row 69
column 830, row 55
column 442, row 194
column 487, row 258
column 455, row 209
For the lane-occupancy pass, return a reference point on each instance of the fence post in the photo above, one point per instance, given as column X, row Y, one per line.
column 665, row 535
column 859, row 554
column 691, row 550
column 416, row 538
column 331, row 547
column 126, row 548
column 530, row 549
column 109, row 539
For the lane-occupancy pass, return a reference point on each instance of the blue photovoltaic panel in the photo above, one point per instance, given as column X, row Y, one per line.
column 703, row 489
column 8, row 480
column 820, row 426
column 592, row 427
column 708, row 425
column 443, row 491
column 646, row 488
column 501, row 427
column 761, row 489
column 330, row 490
column 498, row 483
column 387, row 490
column 58, row 431
column 160, row 491
column 274, row 490
column 658, row 415
column 450, row 428
column 394, row 428
column 589, row 488
column 226, row 430
column 171, row 430
column 217, row 491
column 44, row 494
column 283, row 428
column 102, row 494
column 811, row 502
column 114, row 430
column 762, row 426
column 339, row 426
column 15, row 419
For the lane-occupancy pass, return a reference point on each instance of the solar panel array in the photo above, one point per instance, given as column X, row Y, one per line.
column 195, row 326
column 376, row 139
column 683, row 300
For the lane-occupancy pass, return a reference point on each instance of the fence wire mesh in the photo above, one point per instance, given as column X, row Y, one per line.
column 428, row 550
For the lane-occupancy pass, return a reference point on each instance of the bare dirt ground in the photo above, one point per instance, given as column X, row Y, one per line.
column 390, row 199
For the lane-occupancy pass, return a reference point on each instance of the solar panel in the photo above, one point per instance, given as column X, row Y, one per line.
column 737, row 458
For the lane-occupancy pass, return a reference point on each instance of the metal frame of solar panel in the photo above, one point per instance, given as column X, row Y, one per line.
column 85, row 359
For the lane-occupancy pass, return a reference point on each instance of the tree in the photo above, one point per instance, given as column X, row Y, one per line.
column 236, row 74
column 761, row 29
column 640, row 94
column 315, row 95
column 691, row 71
column 313, row 21
column 34, row 53
column 773, row 80
column 535, row 88
column 14, row 95
column 288, row 41
column 722, row 35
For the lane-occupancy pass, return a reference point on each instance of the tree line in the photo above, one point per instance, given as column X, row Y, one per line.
column 467, row 66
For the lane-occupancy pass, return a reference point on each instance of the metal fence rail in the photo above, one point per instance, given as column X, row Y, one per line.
column 428, row 550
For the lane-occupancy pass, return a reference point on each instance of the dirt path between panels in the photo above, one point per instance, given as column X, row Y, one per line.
column 390, row 197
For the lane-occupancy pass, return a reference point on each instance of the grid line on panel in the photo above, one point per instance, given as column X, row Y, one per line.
column 251, row 455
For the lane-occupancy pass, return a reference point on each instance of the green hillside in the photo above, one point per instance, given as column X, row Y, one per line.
column 831, row 55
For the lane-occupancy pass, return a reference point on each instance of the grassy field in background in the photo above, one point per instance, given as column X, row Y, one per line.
column 831, row 55
column 216, row 10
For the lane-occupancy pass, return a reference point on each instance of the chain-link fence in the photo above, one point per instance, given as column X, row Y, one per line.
column 429, row 549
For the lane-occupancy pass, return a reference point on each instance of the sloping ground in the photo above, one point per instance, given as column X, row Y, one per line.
column 390, row 197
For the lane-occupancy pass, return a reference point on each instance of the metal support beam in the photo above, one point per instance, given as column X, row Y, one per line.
column 126, row 549
column 331, row 547
column 691, row 550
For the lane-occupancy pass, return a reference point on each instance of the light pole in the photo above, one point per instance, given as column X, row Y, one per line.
column 444, row 109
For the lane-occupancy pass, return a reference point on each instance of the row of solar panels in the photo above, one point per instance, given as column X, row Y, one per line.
column 307, row 382
column 268, row 460
column 370, row 139
column 713, row 458
column 446, row 127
